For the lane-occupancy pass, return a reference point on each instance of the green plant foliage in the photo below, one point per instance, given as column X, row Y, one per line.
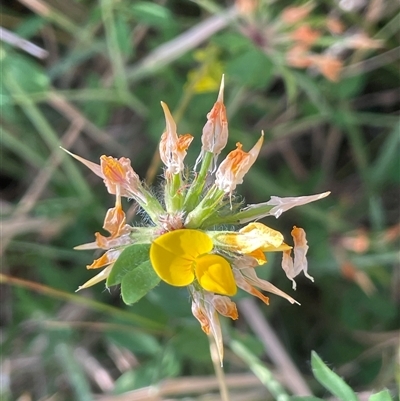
column 383, row 395
column 252, row 68
column 135, row 341
column 135, row 273
column 130, row 258
column 29, row 74
column 151, row 13
column 137, row 283
column 330, row 380
column 123, row 36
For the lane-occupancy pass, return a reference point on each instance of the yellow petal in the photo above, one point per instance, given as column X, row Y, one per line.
column 266, row 235
column 214, row 274
column 280, row 248
column 172, row 255
column 254, row 236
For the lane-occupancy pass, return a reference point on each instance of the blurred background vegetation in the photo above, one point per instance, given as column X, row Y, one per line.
column 321, row 79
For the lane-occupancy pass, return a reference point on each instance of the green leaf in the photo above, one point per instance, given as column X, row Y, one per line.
column 233, row 42
column 383, row 395
column 7, row 107
column 259, row 369
column 387, row 164
column 152, row 14
column 27, row 73
column 290, row 83
column 148, row 373
column 30, row 26
column 123, row 32
column 330, row 380
column 305, row 398
column 348, row 87
column 251, row 68
column 130, row 258
column 135, row 341
column 74, row 372
column 138, row 282
column 97, row 112
column 191, row 343
column 141, row 376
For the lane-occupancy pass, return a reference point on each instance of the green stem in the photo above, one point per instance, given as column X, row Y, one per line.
column 209, row 206
column 244, row 216
column 113, row 46
column 19, row 147
column 152, row 206
column 195, row 190
column 116, row 58
column 261, row 371
column 173, row 195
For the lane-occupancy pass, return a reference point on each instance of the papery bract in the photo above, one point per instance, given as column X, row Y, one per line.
column 107, row 258
column 224, row 306
column 118, row 175
column 231, row 171
column 215, row 131
column 204, row 311
column 293, row 267
column 96, row 279
column 173, row 147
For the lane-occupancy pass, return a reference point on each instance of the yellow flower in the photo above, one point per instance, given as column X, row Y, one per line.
column 254, row 236
column 252, row 240
column 211, row 264
column 181, row 256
